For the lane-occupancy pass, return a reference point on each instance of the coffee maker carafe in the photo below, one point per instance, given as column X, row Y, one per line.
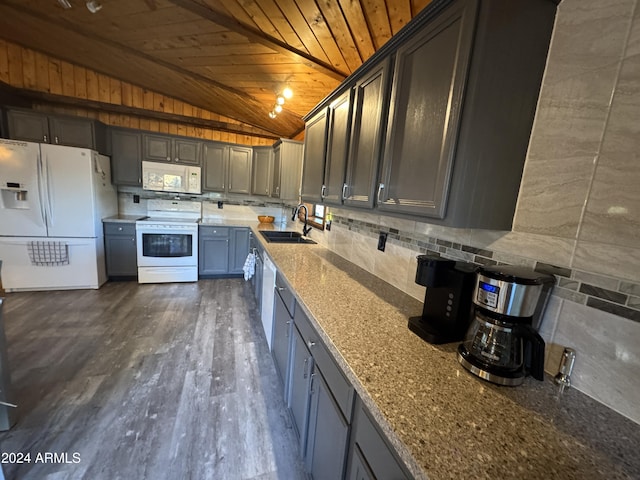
column 502, row 344
column 447, row 303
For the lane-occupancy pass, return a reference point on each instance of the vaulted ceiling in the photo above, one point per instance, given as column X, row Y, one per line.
column 230, row 57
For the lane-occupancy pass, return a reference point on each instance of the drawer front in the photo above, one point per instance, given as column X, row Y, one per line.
column 214, row 231
column 286, row 295
column 375, row 450
column 339, row 386
column 119, row 228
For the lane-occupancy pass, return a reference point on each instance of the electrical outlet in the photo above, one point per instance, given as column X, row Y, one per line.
column 382, row 241
column 220, row 204
column 136, row 199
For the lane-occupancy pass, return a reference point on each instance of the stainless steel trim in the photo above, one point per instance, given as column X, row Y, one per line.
column 514, row 299
column 380, row 188
column 491, row 377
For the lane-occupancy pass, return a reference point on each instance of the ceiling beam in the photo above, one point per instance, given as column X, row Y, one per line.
column 104, row 107
column 259, row 36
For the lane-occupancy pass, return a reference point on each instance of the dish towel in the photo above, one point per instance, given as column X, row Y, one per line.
column 48, row 254
column 249, row 267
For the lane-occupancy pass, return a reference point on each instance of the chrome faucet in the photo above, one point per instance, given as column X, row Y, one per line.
column 305, row 229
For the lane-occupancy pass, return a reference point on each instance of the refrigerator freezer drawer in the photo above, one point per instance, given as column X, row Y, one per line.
column 85, row 268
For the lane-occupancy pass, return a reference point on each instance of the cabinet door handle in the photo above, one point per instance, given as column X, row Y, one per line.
column 45, row 139
column 311, row 344
column 311, row 390
column 304, row 368
column 323, row 191
column 168, row 159
column 56, row 140
column 177, row 159
column 344, row 191
column 380, row 188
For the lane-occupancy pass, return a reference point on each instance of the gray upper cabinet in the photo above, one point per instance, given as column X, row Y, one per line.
column 315, row 143
column 287, row 169
column 366, row 136
column 240, row 162
column 29, row 126
column 214, row 159
column 426, row 98
column 71, row 131
column 262, row 166
column 464, row 89
column 227, row 168
column 126, row 157
column 165, row 148
column 337, row 147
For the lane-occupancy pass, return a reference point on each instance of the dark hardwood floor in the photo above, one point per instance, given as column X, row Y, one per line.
column 168, row 381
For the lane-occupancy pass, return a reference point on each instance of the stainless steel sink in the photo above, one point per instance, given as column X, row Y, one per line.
column 284, row 237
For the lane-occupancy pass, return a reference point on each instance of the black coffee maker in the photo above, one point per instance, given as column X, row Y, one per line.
column 447, row 307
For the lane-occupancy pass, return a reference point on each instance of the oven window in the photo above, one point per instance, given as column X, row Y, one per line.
column 167, row 245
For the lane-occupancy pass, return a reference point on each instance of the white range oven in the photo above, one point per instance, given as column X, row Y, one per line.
column 167, row 242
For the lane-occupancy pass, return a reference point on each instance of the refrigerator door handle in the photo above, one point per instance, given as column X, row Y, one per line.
column 48, row 188
column 41, row 188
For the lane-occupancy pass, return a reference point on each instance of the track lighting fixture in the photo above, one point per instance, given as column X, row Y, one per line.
column 93, row 6
column 281, row 98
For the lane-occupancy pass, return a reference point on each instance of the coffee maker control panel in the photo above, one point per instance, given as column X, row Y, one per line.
column 487, row 294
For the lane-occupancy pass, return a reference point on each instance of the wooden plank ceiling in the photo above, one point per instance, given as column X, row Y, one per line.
column 230, row 57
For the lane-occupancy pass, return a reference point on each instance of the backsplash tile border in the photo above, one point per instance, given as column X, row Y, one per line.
column 576, row 286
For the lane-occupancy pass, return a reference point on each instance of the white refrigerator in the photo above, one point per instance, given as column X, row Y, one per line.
column 52, row 202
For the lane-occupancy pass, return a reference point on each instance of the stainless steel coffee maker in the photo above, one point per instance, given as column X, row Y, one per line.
column 502, row 344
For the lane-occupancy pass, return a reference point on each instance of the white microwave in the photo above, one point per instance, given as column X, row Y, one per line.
column 170, row 177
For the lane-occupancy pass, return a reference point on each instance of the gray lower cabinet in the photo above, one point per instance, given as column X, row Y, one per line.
column 281, row 343
column 222, row 250
column 238, row 249
column 300, row 378
column 126, row 157
column 120, row 249
column 213, row 251
column 370, row 456
column 256, row 280
column 321, row 402
column 71, row 131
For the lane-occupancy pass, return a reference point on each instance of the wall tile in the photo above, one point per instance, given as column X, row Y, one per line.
column 607, row 360
column 458, row 235
column 633, row 44
column 543, row 248
column 597, row 280
column 620, row 262
column 363, row 251
column 393, row 265
column 614, row 202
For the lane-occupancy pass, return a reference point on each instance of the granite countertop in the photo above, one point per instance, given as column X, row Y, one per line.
column 443, row 421
column 121, row 218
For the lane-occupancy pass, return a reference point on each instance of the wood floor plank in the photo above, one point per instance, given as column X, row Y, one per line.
column 146, row 382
